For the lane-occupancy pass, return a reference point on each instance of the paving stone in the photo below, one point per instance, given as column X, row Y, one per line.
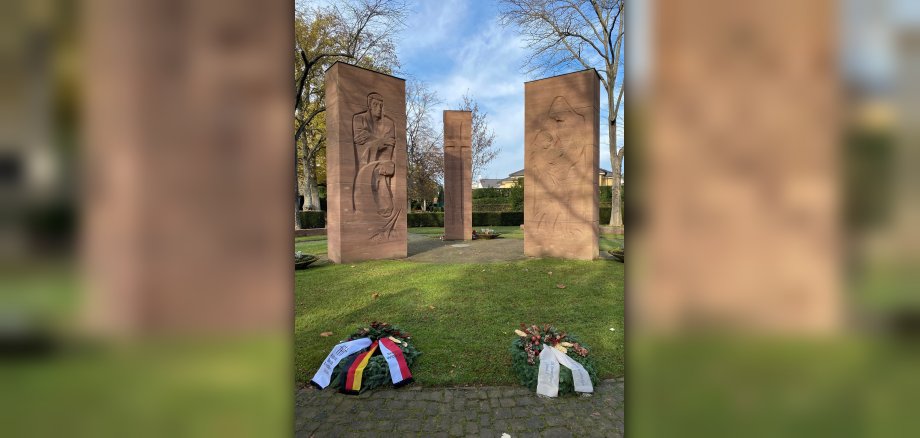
column 535, row 423
column 440, row 412
column 456, row 429
column 557, row 432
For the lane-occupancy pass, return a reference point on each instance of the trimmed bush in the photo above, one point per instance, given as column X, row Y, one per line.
column 425, row 219
column 492, row 204
column 606, row 194
column 605, row 215
column 495, row 219
column 486, row 219
column 312, row 219
column 491, row 192
column 512, row 218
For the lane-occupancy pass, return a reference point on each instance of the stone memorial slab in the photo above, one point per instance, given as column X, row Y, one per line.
column 366, row 164
column 458, row 176
column 561, row 160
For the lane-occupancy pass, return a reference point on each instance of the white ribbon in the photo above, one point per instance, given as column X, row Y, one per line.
column 548, row 379
column 339, row 352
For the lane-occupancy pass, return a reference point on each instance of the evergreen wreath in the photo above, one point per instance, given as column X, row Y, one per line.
column 377, row 372
column 525, row 355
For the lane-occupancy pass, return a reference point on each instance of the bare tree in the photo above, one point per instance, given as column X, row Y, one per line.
column 563, row 34
column 483, row 149
column 360, row 32
column 423, row 142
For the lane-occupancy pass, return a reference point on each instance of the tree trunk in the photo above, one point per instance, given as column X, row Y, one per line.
column 311, row 189
column 616, row 215
column 298, row 190
column 296, row 212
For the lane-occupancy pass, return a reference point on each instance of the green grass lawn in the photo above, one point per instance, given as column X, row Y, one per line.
column 310, row 244
column 462, row 316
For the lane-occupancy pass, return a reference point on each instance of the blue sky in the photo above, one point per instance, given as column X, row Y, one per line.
column 459, row 45
column 455, row 46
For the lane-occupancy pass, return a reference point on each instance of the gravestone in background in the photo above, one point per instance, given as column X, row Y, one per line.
column 561, row 159
column 366, row 164
column 458, row 176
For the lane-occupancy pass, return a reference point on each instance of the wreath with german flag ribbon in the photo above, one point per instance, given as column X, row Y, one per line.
column 576, row 373
column 369, row 358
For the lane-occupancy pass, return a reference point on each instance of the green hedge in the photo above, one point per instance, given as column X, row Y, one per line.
column 605, row 215
column 512, row 218
column 312, row 219
column 426, row 219
column 491, row 192
column 436, row 219
column 495, row 219
column 493, row 204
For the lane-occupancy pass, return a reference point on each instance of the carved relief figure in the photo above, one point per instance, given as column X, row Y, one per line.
column 374, row 141
column 558, row 148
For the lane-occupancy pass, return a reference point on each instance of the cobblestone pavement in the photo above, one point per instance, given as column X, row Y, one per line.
column 451, row 412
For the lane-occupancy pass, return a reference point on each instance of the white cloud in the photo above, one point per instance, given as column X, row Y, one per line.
column 487, row 65
column 455, row 51
column 431, row 25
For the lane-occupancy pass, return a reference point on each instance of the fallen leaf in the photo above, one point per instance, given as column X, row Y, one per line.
column 431, row 307
column 595, row 414
column 352, row 266
column 375, row 295
column 325, row 334
column 613, row 329
column 549, row 273
column 560, row 286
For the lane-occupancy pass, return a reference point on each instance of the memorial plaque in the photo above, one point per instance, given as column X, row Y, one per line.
column 562, row 155
column 458, row 176
column 366, row 164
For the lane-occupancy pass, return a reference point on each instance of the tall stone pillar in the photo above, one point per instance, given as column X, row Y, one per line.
column 562, row 155
column 458, row 176
column 365, row 164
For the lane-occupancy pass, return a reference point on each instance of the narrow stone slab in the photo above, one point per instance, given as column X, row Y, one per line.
column 458, row 175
